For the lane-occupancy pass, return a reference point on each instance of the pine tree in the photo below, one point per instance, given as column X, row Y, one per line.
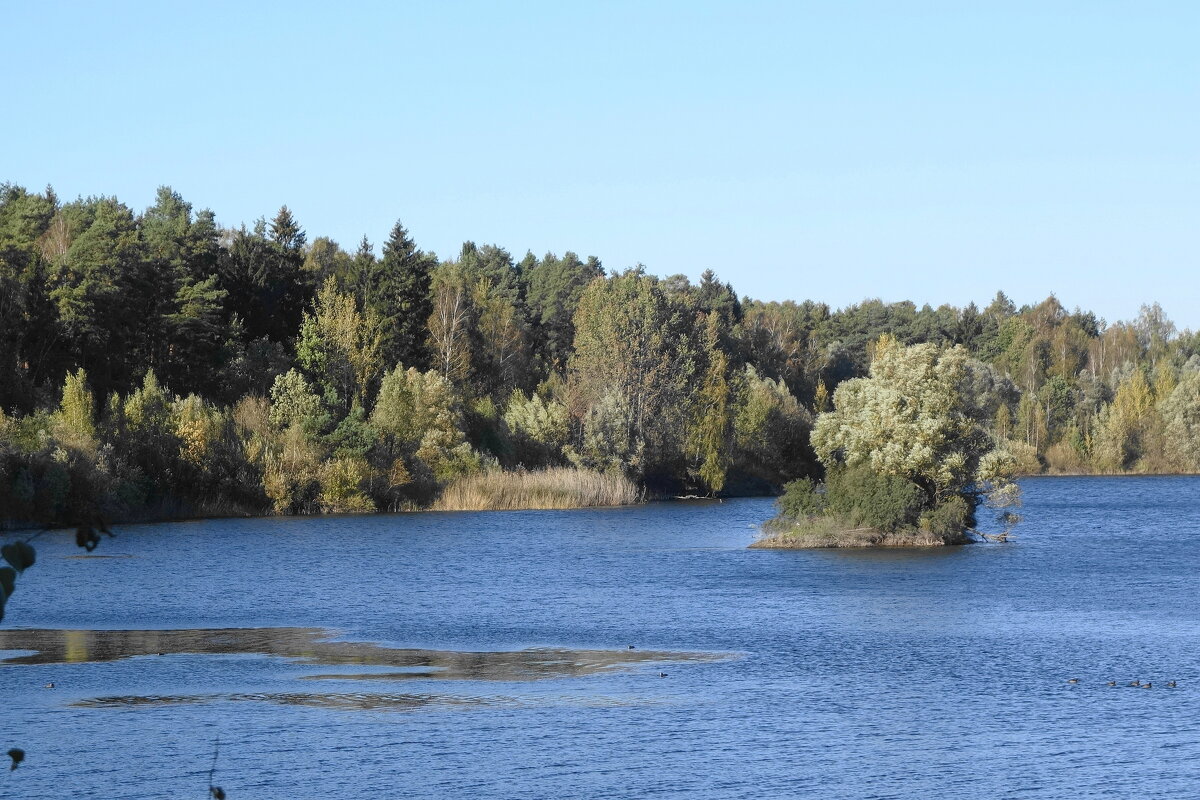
column 401, row 298
column 286, row 232
column 263, row 271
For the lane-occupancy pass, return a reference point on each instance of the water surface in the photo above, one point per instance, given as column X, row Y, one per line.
column 479, row 655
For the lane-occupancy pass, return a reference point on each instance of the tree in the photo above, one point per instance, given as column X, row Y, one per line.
column 197, row 335
column 1123, row 426
column 400, row 296
column 779, row 340
column 29, row 333
column 103, row 294
column 263, row 271
column 362, row 274
column 501, row 356
column 770, row 431
column 294, row 404
column 538, row 429
column 325, row 260
column 554, row 287
column 449, row 324
column 418, row 410
column 340, row 348
column 632, row 345
column 1181, row 414
column 77, row 413
column 915, row 417
column 711, row 426
column 286, row 232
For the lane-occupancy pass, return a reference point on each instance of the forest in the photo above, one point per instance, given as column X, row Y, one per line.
column 155, row 364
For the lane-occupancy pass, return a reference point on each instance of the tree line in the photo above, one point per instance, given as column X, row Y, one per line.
column 156, row 363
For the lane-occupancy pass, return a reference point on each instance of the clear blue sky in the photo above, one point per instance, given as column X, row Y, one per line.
column 932, row 151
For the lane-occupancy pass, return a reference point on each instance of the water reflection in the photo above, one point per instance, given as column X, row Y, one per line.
column 314, row 646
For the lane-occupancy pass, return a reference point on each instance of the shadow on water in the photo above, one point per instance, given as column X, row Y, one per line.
column 314, row 646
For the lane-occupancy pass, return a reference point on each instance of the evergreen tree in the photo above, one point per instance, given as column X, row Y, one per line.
column 265, row 277
column 286, row 232
column 104, row 293
column 401, row 298
column 554, row 287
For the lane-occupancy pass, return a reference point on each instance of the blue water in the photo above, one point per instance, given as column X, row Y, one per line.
column 838, row 674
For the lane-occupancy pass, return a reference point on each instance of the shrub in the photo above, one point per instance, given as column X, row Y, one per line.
column 342, row 481
column 800, row 499
column 538, row 429
column 885, row 502
column 950, row 519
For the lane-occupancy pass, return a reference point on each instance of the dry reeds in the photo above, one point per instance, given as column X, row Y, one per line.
column 558, row 487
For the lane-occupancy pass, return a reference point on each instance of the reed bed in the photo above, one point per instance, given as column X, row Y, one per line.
column 554, row 488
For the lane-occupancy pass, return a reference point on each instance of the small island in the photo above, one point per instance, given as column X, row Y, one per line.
column 908, row 457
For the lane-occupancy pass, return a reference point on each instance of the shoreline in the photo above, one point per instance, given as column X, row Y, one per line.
column 856, row 539
column 9, row 526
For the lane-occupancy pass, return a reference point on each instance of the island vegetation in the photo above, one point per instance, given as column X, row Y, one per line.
column 908, row 454
column 155, row 364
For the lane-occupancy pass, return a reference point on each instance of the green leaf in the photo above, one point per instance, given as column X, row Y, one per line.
column 20, row 554
column 8, row 581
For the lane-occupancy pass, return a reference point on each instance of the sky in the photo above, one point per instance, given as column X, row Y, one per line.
column 835, row 151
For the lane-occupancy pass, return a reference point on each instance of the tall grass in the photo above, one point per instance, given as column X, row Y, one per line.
column 557, row 487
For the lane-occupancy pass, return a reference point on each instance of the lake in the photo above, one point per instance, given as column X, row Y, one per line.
column 488, row 655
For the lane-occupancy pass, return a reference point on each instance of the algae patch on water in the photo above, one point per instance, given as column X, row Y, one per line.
column 316, row 646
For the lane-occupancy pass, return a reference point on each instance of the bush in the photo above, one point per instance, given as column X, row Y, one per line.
column 800, row 499
column 884, row 502
column 950, row 519
column 342, row 481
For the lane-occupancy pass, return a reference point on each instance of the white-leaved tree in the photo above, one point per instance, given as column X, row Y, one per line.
column 920, row 415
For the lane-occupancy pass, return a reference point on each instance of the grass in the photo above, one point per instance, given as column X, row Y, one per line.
column 559, row 487
column 832, row 530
